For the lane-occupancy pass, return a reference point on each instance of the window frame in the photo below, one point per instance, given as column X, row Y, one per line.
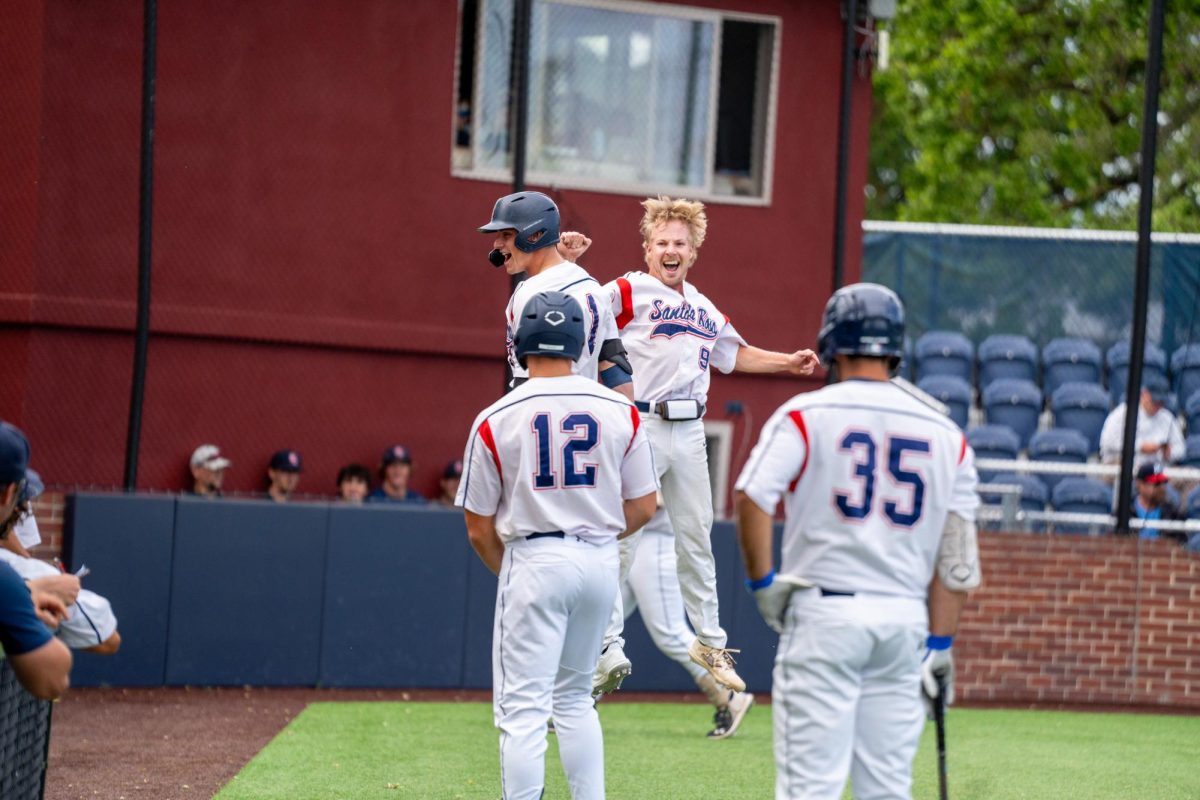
column 766, row 119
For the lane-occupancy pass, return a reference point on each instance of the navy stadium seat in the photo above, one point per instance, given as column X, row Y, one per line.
column 993, row 441
column 1185, row 366
column 1068, row 359
column 1034, row 495
column 944, row 353
column 1013, row 402
column 1004, row 355
column 1154, row 368
column 1058, row 446
column 951, row 390
column 1192, row 457
column 1191, row 410
column 1082, row 407
column 1080, row 496
column 1193, row 504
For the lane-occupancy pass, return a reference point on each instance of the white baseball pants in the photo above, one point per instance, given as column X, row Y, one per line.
column 846, row 696
column 652, row 588
column 553, row 599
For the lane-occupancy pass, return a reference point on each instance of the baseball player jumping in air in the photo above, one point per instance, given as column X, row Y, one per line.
column 673, row 334
column 554, row 473
column 879, row 551
column 652, row 589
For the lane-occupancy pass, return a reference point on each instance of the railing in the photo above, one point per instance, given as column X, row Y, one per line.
column 1013, row 517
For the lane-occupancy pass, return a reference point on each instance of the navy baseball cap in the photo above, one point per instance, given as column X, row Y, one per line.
column 33, row 487
column 14, row 454
column 286, row 461
column 1152, row 472
column 453, row 470
column 396, row 452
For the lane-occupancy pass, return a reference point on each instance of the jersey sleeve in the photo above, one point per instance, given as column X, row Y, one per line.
column 89, row 622
column 965, row 499
column 1175, row 441
column 620, row 294
column 777, row 461
column 725, row 349
column 1110, row 434
column 20, row 629
column 479, row 489
column 638, row 475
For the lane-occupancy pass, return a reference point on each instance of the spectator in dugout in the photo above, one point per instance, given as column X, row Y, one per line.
column 41, row 663
column 283, row 475
column 353, row 483
column 395, row 470
column 208, row 471
column 1158, row 436
column 448, row 485
column 90, row 623
column 1150, row 502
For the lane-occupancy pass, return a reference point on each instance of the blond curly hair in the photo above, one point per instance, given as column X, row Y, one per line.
column 663, row 209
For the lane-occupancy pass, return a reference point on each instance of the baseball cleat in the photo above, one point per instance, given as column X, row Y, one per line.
column 728, row 719
column 719, row 663
column 612, row 668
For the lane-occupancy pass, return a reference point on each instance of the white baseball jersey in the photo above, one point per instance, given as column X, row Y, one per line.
column 868, row 474
column 1160, row 428
column 671, row 338
column 598, row 323
column 557, row 454
column 90, row 620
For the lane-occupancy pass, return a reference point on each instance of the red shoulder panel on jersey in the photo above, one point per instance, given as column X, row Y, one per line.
column 637, row 422
column 962, row 451
column 485, row 433
column 798, row 419
column 626, row 315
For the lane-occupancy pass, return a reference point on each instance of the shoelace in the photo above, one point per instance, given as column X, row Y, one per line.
column 719, row 654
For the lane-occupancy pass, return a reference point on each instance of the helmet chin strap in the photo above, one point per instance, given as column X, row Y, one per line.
column 496, row 258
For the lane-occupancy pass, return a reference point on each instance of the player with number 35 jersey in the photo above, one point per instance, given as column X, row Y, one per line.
column 879, row 551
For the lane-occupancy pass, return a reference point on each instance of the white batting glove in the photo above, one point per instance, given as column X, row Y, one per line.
column 937, row 664
column 771, row 592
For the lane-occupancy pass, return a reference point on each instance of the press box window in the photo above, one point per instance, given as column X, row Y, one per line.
column 627, row 97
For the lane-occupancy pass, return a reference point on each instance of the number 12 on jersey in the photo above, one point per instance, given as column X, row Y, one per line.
column 585, row 432
column 863, row 448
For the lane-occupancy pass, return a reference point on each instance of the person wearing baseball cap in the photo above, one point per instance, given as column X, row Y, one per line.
column 208, row 470
column 1150, row 502
column 283, row 475
column 395, row 470
column 1158, row 436
column 41, row 662
column 448, row 485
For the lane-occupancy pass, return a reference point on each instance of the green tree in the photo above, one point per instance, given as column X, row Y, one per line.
column 1029, row 113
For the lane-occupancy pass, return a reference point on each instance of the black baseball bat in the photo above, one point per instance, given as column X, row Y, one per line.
column 939, row 723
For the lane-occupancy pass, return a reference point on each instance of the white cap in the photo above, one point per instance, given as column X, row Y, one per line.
column 209, row 456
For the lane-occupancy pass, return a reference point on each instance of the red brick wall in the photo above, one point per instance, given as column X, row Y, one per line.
column 1075, row 619
column 48, row 509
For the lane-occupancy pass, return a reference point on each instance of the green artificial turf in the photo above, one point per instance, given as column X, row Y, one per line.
column 658, row 751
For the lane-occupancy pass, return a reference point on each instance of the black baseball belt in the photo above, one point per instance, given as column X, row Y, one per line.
column 672, row 410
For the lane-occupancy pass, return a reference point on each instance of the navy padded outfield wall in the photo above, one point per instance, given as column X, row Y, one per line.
column 249, row 592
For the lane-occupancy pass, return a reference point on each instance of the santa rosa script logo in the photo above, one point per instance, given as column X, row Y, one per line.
column 671, row 321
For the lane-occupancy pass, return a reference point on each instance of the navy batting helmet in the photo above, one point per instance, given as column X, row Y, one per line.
column 551, row 325
column 529, row 214
column 863, row 319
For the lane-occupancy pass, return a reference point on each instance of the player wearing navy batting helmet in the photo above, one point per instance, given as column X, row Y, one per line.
column 879, row 552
